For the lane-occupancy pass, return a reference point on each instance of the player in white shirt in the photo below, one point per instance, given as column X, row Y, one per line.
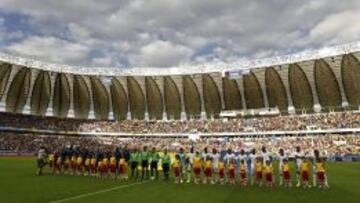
column 41, row 156
column 229, row 156
column 298, row 155
column 189, row 167
column 205, row 154
column 266, row 156
column 251, row 165
column 241, row 156
column 281, row 157
column 215, row 156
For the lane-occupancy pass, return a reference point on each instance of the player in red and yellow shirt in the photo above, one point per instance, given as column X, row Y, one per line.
column 67, row 165
column 87, row 166
column 79, row 165
column 221, row 167
column 269, row 174
column 208, row 170
column 73, row 163
column 258, row 171
column 243, row 173
column 105, row 168
column 321, row 178
column 123, row 169
column 231, row 172
column 305, row 172
column 197, row 167
column 58, row 164
column 286, row 173
column 113, row 166
column 100, row 168
column 176, row 168
column 93, row 170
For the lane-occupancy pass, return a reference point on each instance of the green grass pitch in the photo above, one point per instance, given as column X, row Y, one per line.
column 18, row 183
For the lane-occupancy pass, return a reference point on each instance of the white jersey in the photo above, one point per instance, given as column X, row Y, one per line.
column 215, row 160
column 252, row 158
column 241, row 157
column 281, row 160
column 190, row 156
column 205, row 155
column 297, row 156
column 266, row 156
column 41, row 154
column 229, row 157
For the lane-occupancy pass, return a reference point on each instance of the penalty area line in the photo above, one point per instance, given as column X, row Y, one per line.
column 97, row 192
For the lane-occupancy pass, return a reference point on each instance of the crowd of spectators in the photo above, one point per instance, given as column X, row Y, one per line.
column 333, row 120
column 331, row 145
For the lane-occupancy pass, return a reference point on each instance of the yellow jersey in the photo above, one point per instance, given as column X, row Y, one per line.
column 100, row 164
column 122, row 161
column 93, row 161
column 305, row 166
column 320, row 167
column 242, row 168
column 268, row 169
column 221, row 165
column 112, row 161
column 79, row 160
column 208, row 164
column 87, row 162
column 176, row 164
column 106, row 161
column 286, row 167
column 73, row 159
column 51, row 157
column 197, row 162
column 258, row 166
column 231, row 166
column 59, row 160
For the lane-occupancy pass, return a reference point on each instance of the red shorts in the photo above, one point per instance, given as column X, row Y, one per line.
column 56, row 166
column 221, row 173
column 122, row 169
column 208, row 172
column 305, row 176
column 232, row 174
column 242, row 175
column 93, row 168
column 79, row 167
column 113, row 168
column 258, row 175
column 269, row 177
column 73, row 165
column 177, row 171
column 320, row 176
column 286, row 175
column 197, row 171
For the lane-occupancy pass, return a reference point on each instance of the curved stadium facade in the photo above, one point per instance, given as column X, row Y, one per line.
column 322, row 80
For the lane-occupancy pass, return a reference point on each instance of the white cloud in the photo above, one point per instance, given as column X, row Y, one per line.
column 343, row 26
column 50, row 49
column 162, row 53
column 168, row 33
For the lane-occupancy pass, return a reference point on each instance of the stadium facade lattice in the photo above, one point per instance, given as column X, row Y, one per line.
column 326, row 79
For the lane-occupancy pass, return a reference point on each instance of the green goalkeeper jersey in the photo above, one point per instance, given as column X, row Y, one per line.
column 155, row 156
column 166, row 159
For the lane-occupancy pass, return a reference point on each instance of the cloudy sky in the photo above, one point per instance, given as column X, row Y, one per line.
column 163, row 33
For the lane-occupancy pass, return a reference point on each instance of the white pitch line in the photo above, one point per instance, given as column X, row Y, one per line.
column 97, row 192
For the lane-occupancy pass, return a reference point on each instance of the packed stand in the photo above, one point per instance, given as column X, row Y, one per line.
column 323, row 121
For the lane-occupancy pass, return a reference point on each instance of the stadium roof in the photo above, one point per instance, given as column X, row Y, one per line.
column 185, row 69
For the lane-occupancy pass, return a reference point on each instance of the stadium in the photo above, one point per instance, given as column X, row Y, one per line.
column 300, row 110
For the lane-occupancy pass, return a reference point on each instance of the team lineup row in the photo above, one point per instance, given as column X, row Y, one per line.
column 207, row 167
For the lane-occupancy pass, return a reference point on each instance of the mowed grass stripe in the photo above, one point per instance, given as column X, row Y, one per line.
column 19, row 183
